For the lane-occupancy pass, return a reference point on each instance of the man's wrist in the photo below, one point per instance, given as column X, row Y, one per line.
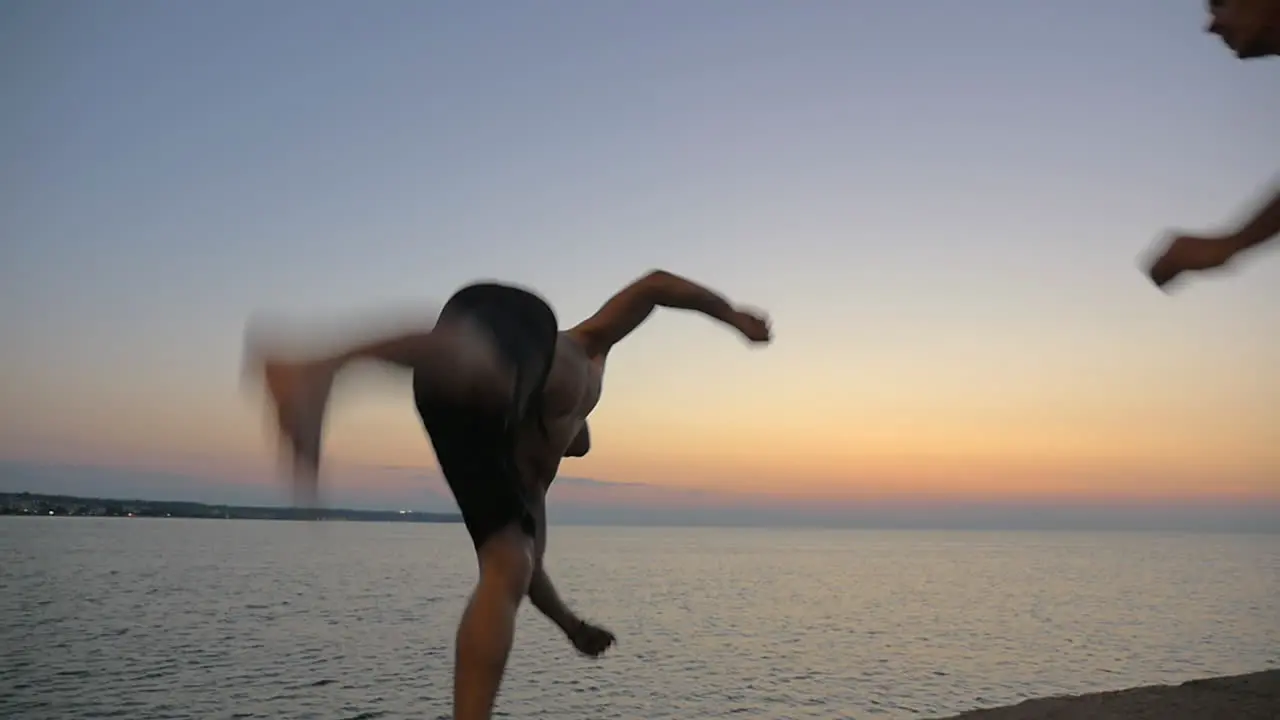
column 729, row 315
column 571, row 624
column 1238, row 242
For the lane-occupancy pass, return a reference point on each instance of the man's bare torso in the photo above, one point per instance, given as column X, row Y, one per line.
column 572, row 392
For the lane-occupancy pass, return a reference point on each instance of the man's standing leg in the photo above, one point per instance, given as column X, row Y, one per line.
column 488, row 624
column 474, row 449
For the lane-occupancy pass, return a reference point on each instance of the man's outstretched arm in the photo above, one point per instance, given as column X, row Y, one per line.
column 1192, row 252
column 1264, row 226
column 543, row 595
column 587, row 638
column 632, row 305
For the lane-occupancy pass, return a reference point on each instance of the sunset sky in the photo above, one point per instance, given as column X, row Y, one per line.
column 941, row 206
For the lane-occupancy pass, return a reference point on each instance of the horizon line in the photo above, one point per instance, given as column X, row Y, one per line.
column 852, row 496
column 850, row 524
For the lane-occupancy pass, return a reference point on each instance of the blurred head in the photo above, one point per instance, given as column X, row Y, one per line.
column 1251, row 28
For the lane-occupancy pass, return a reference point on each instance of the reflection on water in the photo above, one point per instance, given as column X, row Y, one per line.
column 222, row 619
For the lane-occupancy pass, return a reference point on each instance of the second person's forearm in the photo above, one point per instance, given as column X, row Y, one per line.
column 1264, row 226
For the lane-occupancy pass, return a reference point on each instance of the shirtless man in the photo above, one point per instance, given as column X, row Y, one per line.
column 503, row 397
column 1251, row 28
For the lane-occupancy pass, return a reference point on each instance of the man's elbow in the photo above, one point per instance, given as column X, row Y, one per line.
column 658, row 276
column 581, row 444
column 657, row 285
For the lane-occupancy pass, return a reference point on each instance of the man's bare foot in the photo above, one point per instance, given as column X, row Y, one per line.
column 300, row 393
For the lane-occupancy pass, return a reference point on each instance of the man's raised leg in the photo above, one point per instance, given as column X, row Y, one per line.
column 489, row 622
column 458, row 353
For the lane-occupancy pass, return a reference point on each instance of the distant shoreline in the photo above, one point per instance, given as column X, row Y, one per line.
column 1252, row 696
column 39, row 505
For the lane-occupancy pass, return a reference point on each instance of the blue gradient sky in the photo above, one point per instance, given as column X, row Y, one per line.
column 940, row 205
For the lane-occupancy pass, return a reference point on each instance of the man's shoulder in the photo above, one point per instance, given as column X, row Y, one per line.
column 575, row 342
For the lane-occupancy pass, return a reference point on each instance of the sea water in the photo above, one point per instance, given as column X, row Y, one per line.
column 155, row 618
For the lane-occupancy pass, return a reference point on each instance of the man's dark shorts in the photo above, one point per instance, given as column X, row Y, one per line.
column 475, row 447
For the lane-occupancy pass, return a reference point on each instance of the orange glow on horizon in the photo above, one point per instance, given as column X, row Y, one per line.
column 957, row 435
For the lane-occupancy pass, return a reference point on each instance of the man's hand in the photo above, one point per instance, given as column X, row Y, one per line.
column 1188, row 252
column 589, row 639
column 754, row 326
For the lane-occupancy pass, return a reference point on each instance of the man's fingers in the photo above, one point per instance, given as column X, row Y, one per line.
column 1161, row 274
column 595, row 642
column 1161, row 268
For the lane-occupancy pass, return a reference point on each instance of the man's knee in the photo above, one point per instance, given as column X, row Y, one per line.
column 507, row 560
